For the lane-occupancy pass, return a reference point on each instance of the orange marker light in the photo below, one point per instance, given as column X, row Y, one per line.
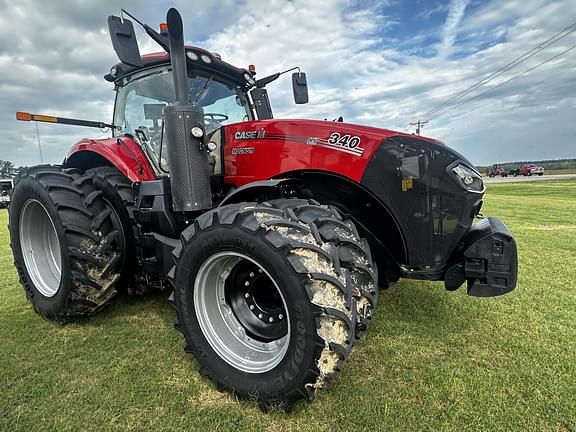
column 23, row 116
column 252, row 68
column 163, row 28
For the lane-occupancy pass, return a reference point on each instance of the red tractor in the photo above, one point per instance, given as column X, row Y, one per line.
column 498, row 171
column 275, row 235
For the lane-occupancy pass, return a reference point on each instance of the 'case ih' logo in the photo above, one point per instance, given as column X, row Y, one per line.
column 250, row 135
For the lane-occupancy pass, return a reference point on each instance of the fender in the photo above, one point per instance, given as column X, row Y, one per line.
column 253, row 189
column 121, row 152
column 378, row 225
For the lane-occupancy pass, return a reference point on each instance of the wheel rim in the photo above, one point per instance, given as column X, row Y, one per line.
column 241, row 312
column 41, row 248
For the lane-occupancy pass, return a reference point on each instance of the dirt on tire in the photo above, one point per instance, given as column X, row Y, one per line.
column 88, row 238
column 320, row 261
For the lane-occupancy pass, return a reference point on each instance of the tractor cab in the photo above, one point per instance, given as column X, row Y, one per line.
column 226, row 94
column 142, row 95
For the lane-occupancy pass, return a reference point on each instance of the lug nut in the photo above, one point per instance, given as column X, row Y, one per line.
column 260, row 271
column 280, row 316
column 246, row 283
column 246, row 295
column 251, row 274
column 251, row 307
column 270, row 319
column 260, row 316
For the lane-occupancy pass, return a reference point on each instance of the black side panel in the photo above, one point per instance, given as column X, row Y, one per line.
column 157, row 226
column 261, row 103
column 408, row 174
column 153, row 210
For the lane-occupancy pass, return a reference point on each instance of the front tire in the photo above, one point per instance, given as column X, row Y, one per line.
column 65, row 242
column 267, row 297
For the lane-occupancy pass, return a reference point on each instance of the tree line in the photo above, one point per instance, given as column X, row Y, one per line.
column 7, row 169
column 548, row 164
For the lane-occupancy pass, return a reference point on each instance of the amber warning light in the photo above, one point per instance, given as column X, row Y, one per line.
column 23, row 116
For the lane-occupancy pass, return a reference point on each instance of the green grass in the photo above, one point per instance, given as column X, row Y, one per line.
column 432, row 360
column 559, row 171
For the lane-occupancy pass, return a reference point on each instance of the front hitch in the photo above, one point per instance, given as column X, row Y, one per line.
column 487, row 259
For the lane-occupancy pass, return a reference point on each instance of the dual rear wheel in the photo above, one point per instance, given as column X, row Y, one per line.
column 67, row 242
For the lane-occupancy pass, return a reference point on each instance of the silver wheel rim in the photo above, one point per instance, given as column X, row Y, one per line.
column 223, row 330
column 41, row 248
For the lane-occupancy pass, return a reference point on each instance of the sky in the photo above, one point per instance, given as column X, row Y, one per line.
column 380, row 63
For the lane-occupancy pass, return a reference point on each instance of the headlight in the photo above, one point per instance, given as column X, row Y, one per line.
column 469, row 178
column 249, row 78
column 192, row 55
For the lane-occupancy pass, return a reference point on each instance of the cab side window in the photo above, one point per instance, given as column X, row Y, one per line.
column 138, row 112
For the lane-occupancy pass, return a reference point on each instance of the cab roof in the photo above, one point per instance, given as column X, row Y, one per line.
column 198, row 58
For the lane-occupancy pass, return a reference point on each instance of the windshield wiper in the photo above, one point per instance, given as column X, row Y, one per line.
column 201, row 93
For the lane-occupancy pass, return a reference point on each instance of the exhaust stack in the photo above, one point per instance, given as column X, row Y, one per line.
column 187, row 156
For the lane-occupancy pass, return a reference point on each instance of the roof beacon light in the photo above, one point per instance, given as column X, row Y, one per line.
column 252, row 68
column 163, row 28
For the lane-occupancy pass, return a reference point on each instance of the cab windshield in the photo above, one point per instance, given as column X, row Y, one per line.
column 140, row 101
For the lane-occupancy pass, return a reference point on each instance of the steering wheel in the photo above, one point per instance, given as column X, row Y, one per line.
column 212, row 119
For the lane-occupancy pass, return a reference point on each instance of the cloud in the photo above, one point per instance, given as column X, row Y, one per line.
column 376, row 63
column 450, row 30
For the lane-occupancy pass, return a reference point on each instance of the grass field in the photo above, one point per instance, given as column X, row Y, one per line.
column 560, row 171
column 432, row 360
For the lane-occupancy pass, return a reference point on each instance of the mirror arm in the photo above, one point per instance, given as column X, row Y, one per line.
column 262, row 82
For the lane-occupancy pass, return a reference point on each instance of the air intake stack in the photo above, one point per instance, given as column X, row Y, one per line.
column 185, row 132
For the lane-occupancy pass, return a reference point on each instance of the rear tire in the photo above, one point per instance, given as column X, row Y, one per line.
column 307, row 259
column 116, row 189
column 65, row 241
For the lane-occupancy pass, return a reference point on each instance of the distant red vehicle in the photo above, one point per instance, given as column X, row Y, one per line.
column 530, row 169
column 498, row 171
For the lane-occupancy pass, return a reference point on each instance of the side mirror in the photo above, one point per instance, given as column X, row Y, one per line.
column 300, row 87
column 124, row 40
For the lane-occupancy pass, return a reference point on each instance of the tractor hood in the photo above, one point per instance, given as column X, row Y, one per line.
column 264, row 149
